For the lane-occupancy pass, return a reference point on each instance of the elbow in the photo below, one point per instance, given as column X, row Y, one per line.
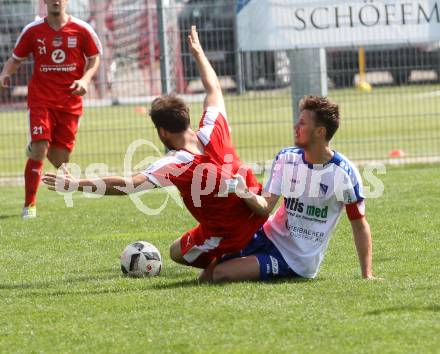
column 15, row 61
column 363, row 228
column 258, row 210
column 360, row 224
column 214, row 89
column 213, row 83
column 217, row 85
column 262, row 212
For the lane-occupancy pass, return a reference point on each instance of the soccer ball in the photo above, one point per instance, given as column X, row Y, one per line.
column 141, row 259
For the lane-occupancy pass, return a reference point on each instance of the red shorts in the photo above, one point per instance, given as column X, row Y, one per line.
column 199, row 249
column 58, row 127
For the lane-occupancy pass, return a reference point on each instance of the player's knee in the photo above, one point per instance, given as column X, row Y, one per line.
column 173, row 252
column 176, row 253
column 39, row 149
column 56, row 159
column 56, row 162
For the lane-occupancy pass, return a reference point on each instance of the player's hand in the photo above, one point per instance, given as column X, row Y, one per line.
column 5, row 81
column 241, row 188
column 194, row 43
column 79, row 87
column 62, row 182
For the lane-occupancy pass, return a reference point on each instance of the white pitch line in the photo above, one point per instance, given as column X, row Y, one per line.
column 428, row 94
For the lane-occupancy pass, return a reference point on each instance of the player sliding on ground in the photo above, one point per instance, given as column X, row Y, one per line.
column 66, row 56
column 199, row 164
column 315, row 183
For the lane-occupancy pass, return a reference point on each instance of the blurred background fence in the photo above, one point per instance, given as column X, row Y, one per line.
column 145, row 54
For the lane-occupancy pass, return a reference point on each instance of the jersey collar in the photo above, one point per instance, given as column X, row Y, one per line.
column 318, row 166
column 69, row 18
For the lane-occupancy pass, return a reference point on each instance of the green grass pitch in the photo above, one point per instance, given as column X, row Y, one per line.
column 372, row 125
column 61, row 290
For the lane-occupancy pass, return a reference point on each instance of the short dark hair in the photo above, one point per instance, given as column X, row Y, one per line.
column 326, row 113
column 171, row 113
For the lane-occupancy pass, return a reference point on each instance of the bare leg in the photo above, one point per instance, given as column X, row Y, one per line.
column 57, row 156
column 39, row 150
column 176, row 253
column 203, row 261
column 237, row 269
column 206, row 275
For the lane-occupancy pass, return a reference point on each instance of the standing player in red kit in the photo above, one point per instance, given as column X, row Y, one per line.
column 200, row 164
column 66, row 56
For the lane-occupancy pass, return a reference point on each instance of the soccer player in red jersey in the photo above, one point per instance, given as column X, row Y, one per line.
column 200, row 164
column 66, row 56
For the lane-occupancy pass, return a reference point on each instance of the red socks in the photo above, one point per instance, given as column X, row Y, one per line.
column 32, row 177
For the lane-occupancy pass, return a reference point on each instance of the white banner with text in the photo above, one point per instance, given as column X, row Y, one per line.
column 293, row 24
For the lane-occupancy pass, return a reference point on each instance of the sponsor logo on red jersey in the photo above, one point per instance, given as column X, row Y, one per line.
column 57, row 41
column 71, row 42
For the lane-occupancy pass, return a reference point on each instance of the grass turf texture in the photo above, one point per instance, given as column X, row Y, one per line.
column 61, row 289
column 372, row 125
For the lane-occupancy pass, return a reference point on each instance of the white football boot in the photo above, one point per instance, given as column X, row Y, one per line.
column 29, row 212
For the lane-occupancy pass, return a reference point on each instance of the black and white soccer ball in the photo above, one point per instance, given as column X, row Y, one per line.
column 141, row 259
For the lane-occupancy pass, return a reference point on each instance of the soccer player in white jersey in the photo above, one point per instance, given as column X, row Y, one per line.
column 316, row 183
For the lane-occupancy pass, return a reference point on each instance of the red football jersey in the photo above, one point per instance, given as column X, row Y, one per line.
column 200, row 180
column 59, row 59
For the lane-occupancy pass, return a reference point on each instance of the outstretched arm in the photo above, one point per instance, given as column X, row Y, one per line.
column 362, row 240
column 10, row 68
column 115, row 185
column 214, row 96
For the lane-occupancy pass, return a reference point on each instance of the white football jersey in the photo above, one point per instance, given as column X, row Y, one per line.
column 313, row 199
